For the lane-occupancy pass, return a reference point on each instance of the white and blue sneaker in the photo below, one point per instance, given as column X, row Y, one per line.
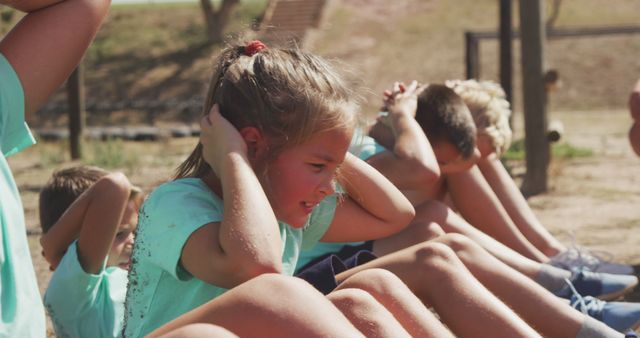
column 600, row 285
column 620, row 316
column 596, row 261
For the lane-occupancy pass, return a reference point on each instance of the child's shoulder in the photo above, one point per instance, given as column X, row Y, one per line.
column 180, row 193
column 186, row 185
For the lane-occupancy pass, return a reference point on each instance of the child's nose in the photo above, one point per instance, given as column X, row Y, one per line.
column 328, row 187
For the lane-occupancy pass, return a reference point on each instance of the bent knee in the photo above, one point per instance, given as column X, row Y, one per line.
column 277, row 286
column 434, row 255
column 379, row 282
column 352, row 299
column 200, row 330
column 425, row 230
column 458, row 242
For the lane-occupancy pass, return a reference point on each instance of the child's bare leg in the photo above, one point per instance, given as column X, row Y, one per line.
column 478, row 204
column 425, row 227
column 270, row 305
column 393, row 294
column 200, row 330
column 549, row 314
column 366, row 314
column 434, row 273
column 517, row 207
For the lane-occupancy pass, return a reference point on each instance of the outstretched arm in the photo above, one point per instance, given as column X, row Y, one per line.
column 372, row 207
column 49, row 42
column 93, row 219
column 411, row 163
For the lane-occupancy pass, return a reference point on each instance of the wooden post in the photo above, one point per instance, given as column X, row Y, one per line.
column 472, row 55
column 533, row 33
column 75, row 100
column 506, row 68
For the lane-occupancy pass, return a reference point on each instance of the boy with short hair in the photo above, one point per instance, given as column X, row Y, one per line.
column 88, row 217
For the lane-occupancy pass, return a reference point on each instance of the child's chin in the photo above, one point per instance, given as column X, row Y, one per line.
column 124, row 266
column 298, row 223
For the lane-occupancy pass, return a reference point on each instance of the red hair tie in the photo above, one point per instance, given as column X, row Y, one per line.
column 253, row 47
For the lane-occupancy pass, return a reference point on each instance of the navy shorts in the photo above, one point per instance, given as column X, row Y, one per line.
column 321, row 272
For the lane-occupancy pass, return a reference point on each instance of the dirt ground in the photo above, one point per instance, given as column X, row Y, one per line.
column 594, row 199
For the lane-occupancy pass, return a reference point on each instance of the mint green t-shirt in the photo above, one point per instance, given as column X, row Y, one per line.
column 81, row 304
column 364, row 147
column 21, row 310
column 160, row 290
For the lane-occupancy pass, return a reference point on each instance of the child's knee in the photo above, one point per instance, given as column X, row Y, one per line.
column 426, row 230
column 459, row 243
column 355, row 302
column 380, row 283
column 200, row 330
column 434, row 256
column 281, row 286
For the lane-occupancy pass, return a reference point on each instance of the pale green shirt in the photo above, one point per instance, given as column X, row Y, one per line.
column 21, row 310
column 82, row 304
column 160, row 290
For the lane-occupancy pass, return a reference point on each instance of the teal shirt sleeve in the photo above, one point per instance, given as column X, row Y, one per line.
column 364, row 146
column 170, row 215
column 319, row 221
column 82, row 304
column 14, row 133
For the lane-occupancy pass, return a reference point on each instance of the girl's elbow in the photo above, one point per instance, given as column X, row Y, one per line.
column 403, row 217
column 256, row 269
column 408, row 214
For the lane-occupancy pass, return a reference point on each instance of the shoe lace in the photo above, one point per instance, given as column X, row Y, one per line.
column 587, row 305
column 577, row 255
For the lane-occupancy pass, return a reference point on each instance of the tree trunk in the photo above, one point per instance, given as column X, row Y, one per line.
column 216, row 20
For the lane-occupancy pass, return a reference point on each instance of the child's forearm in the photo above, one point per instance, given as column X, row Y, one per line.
column 249, row 234
column 49, row 42
column 412, row 144
column 56, row 241
column 411, row 163
column 29, row 5
column 374, row 193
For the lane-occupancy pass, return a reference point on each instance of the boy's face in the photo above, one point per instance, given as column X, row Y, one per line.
column 120, row 254
column 450, row 158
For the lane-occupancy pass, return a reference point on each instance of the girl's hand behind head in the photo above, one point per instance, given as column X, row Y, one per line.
column 219, row 138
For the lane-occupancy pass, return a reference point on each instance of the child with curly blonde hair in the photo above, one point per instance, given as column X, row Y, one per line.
column 493, row 202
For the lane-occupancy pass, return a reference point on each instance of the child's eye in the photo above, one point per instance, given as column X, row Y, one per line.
column 317, row 166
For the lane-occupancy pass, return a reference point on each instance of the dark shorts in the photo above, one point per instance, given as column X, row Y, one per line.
column 321, row 272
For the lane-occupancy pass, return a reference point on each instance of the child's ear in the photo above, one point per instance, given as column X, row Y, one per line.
column 256, row 142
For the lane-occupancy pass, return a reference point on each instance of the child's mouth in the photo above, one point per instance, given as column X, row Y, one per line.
column 125, row 265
